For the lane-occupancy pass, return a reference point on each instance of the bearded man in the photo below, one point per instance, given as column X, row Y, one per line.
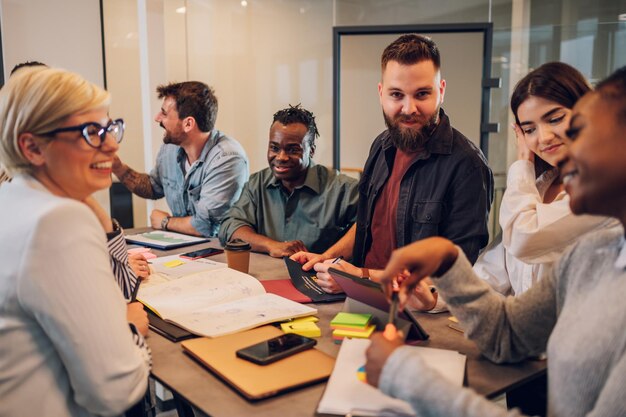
column 199, row 170
column 422, row 177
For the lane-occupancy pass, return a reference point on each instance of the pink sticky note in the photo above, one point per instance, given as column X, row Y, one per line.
column 138, row 250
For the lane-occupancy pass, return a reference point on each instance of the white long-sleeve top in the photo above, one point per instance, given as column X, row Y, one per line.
column 66, row 348
column 534, row 233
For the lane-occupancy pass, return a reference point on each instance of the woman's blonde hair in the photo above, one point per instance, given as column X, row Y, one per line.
column 37, row 100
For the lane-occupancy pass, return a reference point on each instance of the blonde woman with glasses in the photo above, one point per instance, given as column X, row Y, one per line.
column 69, row 344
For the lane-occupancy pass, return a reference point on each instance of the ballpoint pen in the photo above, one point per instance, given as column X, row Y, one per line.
column 335, row 261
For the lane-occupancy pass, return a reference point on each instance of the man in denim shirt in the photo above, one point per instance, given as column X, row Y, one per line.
column 199, row 170
column 422, row 177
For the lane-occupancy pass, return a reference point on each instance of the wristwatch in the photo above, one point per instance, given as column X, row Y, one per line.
column 164, row 222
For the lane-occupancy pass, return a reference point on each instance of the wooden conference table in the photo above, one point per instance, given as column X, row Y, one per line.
column 181, row 374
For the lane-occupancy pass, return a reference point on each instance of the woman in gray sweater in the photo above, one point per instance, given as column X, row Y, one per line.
column 576, row 314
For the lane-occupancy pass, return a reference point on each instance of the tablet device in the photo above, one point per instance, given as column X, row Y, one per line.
column 164, row 240
column 371, row 293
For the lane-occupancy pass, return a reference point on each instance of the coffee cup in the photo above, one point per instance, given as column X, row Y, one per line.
column 238, row 255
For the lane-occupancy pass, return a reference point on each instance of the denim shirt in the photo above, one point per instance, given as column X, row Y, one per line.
column 212, row 184
column 447, row 191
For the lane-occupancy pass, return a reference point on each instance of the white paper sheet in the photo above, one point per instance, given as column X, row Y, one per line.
column 160, row 273
column 345, row 394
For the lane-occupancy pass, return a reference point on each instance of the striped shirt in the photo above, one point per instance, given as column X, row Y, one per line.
column 124, row 275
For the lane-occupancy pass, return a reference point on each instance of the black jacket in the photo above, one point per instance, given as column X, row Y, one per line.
column 446, row 192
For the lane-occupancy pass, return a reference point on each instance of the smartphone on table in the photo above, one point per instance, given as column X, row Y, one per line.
column 276, row 348
column 202, row 253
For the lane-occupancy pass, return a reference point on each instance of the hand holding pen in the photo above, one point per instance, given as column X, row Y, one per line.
column 383, row 344
column 324, row 280
column 428, row 257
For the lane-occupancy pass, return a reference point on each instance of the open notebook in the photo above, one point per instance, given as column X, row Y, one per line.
column 218, row 302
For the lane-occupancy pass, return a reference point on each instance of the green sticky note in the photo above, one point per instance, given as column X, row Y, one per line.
column 351, row 319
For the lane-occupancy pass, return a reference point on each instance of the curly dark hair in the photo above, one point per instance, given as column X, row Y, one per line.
column 411, row 49
column 193, row 99
column 298, row 114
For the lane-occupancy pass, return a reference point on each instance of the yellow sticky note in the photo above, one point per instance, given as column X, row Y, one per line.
column 307, row 319
column 453, row 319
column 174, row 263
column 308, row 329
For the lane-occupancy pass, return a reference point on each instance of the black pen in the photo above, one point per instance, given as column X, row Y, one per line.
column 133, row 296
column 393, row 307
column 390, row 329
column 337, row 260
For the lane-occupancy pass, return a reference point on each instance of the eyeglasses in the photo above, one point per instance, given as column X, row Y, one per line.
column 94, row 133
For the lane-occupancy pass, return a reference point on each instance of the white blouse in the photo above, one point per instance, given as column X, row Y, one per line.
column 66, row 348
column 534, row 233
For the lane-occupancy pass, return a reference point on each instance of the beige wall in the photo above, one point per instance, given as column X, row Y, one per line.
column 258, row 60
column 68, row 37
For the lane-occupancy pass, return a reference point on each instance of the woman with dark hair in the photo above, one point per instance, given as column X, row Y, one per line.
column 537, row 223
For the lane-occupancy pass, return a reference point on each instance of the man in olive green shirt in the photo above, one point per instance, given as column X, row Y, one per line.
column 294, row 204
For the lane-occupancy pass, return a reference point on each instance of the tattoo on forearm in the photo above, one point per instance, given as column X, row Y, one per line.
column 137, row 183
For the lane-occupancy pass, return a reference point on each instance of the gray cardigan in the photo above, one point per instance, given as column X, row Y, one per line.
column 576, row 314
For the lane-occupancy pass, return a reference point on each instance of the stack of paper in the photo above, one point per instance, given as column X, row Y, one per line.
column 351, row 325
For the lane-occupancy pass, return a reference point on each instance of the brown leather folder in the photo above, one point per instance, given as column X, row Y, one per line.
column 256, row 382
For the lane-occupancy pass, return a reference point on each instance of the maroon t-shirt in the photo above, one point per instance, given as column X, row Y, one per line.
column 383, row 223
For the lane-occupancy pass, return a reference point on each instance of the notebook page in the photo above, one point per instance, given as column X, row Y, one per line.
column 195, row 292
column 242, row 314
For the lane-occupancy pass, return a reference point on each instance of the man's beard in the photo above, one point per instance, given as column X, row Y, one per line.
column 169, row 137
column 411, row 139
